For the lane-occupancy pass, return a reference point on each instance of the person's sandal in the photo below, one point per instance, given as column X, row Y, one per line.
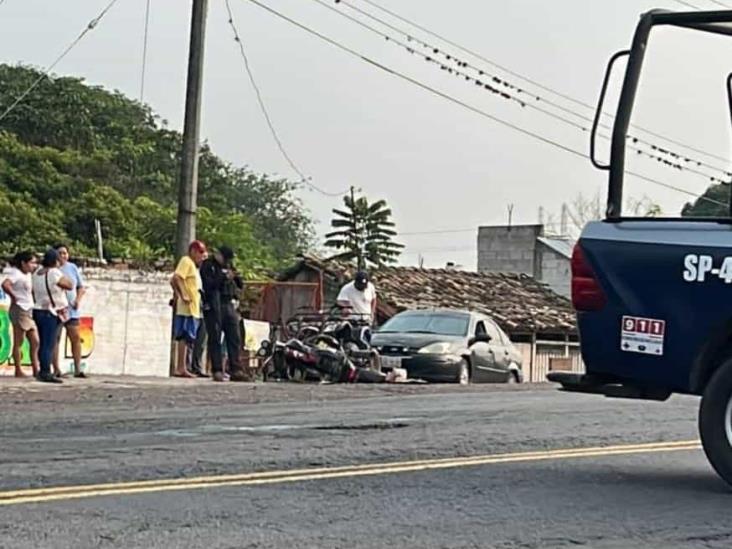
column 81, row 375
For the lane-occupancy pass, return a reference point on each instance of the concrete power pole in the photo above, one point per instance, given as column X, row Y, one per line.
column 188, row 189
column 188, row 184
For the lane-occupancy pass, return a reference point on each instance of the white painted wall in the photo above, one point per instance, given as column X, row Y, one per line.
column 132, row 322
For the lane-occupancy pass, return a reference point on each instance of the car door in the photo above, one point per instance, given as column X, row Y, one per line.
column 501, row 346
column 483, row 354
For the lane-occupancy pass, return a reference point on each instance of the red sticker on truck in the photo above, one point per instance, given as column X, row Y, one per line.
column 642, row 335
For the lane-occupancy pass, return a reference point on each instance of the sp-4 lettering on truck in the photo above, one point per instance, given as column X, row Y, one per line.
column 667, row 280
column 700, row 268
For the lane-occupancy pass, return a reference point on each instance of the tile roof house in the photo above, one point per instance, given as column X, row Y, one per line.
column 517, row 302
column 540, row 322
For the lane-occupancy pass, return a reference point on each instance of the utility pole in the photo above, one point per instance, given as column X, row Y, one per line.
column 188, row 186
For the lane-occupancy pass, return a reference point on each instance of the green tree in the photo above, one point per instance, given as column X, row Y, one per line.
column 23, row 227
column 713, row 203
column 236, row 231
column 71, row 153
column 364, row 233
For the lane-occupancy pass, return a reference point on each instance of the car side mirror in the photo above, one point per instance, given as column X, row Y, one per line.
column 480, row 338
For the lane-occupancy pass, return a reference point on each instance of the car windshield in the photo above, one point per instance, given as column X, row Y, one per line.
column 437, row 323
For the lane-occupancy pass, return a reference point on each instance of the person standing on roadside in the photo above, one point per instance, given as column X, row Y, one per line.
column 74, row 297
column 358, row 298
column 19, row 286
column 51, row 309
column 196, row 366
column 221, row 286
column 186, row 284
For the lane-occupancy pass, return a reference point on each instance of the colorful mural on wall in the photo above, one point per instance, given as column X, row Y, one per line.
column 86, row 329
column 86, row 326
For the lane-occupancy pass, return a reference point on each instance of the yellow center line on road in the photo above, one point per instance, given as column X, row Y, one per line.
column 62, row 493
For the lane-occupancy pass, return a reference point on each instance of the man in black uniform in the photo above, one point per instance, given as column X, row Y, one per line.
column 221, row 285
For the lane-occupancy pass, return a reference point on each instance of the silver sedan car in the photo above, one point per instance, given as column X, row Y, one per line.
column 446, row 345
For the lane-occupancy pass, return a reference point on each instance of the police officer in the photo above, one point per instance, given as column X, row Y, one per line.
column 221, row 286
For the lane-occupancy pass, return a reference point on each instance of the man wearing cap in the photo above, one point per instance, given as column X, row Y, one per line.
column 359, row 297
column 221, row 286
column 186, row 283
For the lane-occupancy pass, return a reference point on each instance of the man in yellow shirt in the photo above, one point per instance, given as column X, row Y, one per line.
column 187, row 286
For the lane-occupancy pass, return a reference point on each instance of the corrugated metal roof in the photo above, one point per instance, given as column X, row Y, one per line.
column 562, row 246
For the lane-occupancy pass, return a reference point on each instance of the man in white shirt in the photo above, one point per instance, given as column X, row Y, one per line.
column 359, row 298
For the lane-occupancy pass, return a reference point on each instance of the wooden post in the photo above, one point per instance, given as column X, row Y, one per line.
column 533, row 357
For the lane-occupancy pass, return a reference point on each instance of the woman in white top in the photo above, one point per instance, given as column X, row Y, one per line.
column 50, row 311
column 19, row 288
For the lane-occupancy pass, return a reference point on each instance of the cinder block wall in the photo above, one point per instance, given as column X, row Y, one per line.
column 556, row 270
column 509, row 249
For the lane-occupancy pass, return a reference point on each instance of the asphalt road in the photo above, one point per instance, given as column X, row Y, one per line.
column 288, row 451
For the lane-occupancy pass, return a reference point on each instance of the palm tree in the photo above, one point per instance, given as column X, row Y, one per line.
column 364, row 233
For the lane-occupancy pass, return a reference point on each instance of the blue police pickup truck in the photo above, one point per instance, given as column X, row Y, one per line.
column 654, row 296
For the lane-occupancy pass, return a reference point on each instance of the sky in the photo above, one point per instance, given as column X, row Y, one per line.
column 344, row 122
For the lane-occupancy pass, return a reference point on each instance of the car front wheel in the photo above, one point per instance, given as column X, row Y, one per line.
column 514, row 374
column 464, row 373
column 715, row 421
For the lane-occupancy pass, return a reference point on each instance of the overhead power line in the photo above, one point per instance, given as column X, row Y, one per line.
column 446, row 249
column 679, row 160
column 144, row 50
column 690, row 5
column 461, row 103
column 687, row 4
column 504, row 89
column 438, row 231
column 528, row 79
column 90, row 27
column 265, row 113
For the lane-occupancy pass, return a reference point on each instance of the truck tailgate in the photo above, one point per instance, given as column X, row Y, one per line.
column 669, row 290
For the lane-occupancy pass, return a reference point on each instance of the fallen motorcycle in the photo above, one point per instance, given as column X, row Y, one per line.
column 322, row 358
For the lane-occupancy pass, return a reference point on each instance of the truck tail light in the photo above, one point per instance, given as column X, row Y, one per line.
column 587, row 294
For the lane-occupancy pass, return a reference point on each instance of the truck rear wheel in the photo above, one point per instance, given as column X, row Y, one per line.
column 715, row 421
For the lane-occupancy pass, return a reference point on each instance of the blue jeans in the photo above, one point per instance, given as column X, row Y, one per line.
column 49, row 326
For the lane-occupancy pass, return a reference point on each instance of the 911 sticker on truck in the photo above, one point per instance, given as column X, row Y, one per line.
column 699, row 268
column 642, row 335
